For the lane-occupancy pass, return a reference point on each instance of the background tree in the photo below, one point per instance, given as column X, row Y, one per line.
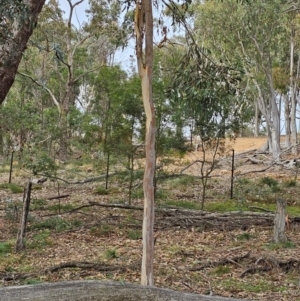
column 250, row 29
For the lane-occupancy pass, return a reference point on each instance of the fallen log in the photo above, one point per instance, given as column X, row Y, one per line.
column 98, row 290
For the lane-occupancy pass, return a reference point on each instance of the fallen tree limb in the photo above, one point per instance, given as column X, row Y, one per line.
column 186, row 218
column 259, row 170
column 102, row 267
column 99, row 291
column 257, row 161
column 98, row 266
column 255, row 269
column 223, row 261
column 58, row 197
column 191, row 164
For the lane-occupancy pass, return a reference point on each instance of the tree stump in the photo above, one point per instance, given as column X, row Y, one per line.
column 279, row 222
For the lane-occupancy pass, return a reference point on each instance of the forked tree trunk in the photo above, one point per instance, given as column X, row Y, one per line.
column 144, row 30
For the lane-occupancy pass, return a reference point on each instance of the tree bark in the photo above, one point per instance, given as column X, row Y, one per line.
column 98, row 290
column 12, row 50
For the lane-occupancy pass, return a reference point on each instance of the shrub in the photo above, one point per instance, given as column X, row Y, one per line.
column 14, row 188
column 268, row 181
column 110, row 253
column 134, row 234
column 101, row 191
column 5, row 248
column 244, row 236
column 56, row 223
column 103, row 230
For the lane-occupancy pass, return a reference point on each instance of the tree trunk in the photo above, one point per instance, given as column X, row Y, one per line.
column 64, row 137
column 287, row 122
column 274, row 120
column 98, row 290
column 144, row 29
column 279, row 222
column 22, row 229
column 12, row 50
column 257, row 120
column 293, row 96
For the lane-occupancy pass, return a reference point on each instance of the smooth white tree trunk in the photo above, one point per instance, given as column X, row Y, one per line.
column 293, row 96
column 144, row 35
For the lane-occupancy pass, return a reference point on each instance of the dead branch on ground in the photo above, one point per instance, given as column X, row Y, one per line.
column 97, row 266
column 223, row 261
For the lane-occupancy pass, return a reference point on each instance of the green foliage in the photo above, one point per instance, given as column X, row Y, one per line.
column 183, row 204
column 110, row 254
column 31, row 281
column 101, row 191
column 137, row 193
column 290, row 183
column 275, row 188
column 38, row 204
column 268, row 181
column 39, row 240
column 102, row 230
column 14, row 188
column 221, row 270
column 12, row 210
column 134, row 234
column 258, row 286
column 283, row 245
column 243, row 181
column 40, row 162
column 225, row 206
column 5, row 248
column 181, row 182
column 55, row 223
column 60, row 207
column 244, row 236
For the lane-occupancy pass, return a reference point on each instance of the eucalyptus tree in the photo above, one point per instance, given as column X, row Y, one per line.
column 252, row 38
column 18, row 20
column 68, row 55
column 116, row 109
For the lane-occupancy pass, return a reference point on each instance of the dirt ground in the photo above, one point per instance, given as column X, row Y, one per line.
column 83, row 241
